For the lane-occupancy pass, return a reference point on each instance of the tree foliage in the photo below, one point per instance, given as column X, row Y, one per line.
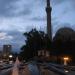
column 35, row 40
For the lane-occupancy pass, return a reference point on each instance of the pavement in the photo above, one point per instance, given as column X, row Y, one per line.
column 46, row 71
column 42, row 70
column 6, row 71
column 24, row 71
column 33, row 69
column 38, row 69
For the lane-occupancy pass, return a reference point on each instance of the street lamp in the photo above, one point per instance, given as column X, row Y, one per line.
column 10, row 59
column 66, row 71
column 10, row 56
column 65, row 60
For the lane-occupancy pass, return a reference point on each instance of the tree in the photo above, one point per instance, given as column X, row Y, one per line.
column 35, row 40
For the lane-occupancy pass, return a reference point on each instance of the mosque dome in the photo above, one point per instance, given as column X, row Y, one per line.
column 65, row 34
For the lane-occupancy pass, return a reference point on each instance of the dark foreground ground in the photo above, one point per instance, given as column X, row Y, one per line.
column 34, row 68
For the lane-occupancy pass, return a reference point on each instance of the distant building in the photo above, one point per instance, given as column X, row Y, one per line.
column 44, row 55
column 0, row 55
column 6, row 51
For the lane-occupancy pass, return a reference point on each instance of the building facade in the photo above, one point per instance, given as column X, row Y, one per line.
column 6, row 52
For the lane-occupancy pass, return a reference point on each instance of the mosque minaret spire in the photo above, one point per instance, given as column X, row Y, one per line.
column 48, row 11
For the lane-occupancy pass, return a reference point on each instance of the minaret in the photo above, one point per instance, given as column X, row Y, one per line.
column 48, row 11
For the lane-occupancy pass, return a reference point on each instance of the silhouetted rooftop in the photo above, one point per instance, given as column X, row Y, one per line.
column 65, row 33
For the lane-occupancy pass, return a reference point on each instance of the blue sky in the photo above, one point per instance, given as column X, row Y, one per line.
column 19, row 16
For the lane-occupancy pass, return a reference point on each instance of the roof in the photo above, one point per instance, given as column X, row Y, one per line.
column 65, row 33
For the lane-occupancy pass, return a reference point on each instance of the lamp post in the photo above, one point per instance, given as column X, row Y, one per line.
column 10, row 59
column 65, row 60
column 10, row 56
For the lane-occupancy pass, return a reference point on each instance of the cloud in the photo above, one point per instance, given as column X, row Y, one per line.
column 14, row 38
column 21, row 7
column 57, row 2
column 5, row 6
column 19, row 16
column 5, row 36
column 39, row 19
column 10, row 8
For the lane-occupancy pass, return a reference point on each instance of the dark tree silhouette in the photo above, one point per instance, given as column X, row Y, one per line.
column 35, row 40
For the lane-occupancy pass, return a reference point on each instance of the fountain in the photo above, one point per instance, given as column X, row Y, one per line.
column 15, row 70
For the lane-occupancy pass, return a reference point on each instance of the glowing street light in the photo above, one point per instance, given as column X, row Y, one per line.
column 10, row 56
column 65, row 60
column 10, row 59
column 66, row 71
